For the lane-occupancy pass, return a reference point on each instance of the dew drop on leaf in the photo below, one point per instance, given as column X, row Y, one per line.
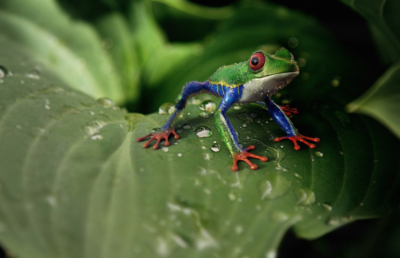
column 187, row 126
column 166, row 109
column 33, row 75
column 208, row 106
column 327, row 206
column 215, row 147
column 305, row 196
column 93, row 127
column 3, row 72
column 203, row 131
column 204, row 115
column 319, row 154
column 96, row 137
column 106, row 102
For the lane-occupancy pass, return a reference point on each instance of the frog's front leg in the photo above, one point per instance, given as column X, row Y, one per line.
column 284, row 122
column 190, row 89
column 229, row 135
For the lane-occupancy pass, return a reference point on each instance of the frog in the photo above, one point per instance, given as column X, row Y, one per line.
column 253, row 81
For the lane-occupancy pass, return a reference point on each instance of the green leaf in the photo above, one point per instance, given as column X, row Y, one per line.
column 75, row 183
column 120, row 43
column 199, row 10
column 382, row 16
column 51, row 37
column 382, row 100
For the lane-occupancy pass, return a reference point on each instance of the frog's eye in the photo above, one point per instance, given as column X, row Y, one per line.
column 257, row 61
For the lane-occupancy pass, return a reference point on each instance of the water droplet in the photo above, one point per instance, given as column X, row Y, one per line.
column 92, row 113
column 179, row 154
column 51, row 200
column 203, row 131
column 238, row 229
column 319, row 154
column 187, row 126
column 208, row 156
column 293, row 42
column 165, row 149
column 336, row 81
column 93, row 127
column 194, row 101
column 333, row 221
column 208, row 106
column 237, row 107
column 231, row 196
column 305, row 196
column 279, row 216
column 47, row 104
column 297, row 175
column 33, row 75
column 3, row 72
column 327, row 206
column 274, row 186
column 215, row 147
column 96, row 137
column 166, row 109
column 204, row 115
column 106, row 102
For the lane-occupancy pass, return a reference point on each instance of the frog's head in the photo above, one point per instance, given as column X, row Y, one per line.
column 270, row 73
column 262, row 64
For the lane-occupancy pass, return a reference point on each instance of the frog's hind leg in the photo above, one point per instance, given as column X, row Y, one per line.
column 287, row 126
column 189, row 90
column 229, row 135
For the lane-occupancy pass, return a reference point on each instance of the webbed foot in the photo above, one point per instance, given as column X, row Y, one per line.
column 288, row 110
column 244, row 157
column 159, row 136
column 300, row 138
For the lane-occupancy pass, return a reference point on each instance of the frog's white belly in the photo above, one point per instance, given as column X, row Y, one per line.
column 260, row 88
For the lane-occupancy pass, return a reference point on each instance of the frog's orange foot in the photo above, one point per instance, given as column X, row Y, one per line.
column 288, row 110
column 158, row 136
column 244, row 157
column 300, row 138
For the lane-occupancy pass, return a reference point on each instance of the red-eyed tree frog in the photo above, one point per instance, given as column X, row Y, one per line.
column 252, row 81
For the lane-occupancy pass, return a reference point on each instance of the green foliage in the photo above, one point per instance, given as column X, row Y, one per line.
column 382, row 16
column 75, row 183
column 382, row 101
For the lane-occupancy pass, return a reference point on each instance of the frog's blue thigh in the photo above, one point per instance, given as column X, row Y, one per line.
column 280, row 117
column 189, row 90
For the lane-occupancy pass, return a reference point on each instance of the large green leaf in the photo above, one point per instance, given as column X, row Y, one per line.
column 71, row 48
column 75, row 183
column 382, row 101
column 382, row 16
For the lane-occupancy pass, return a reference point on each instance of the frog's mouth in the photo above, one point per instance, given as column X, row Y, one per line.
column 260, row 88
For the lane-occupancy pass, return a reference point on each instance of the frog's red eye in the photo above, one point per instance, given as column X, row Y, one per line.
column 257, row 61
